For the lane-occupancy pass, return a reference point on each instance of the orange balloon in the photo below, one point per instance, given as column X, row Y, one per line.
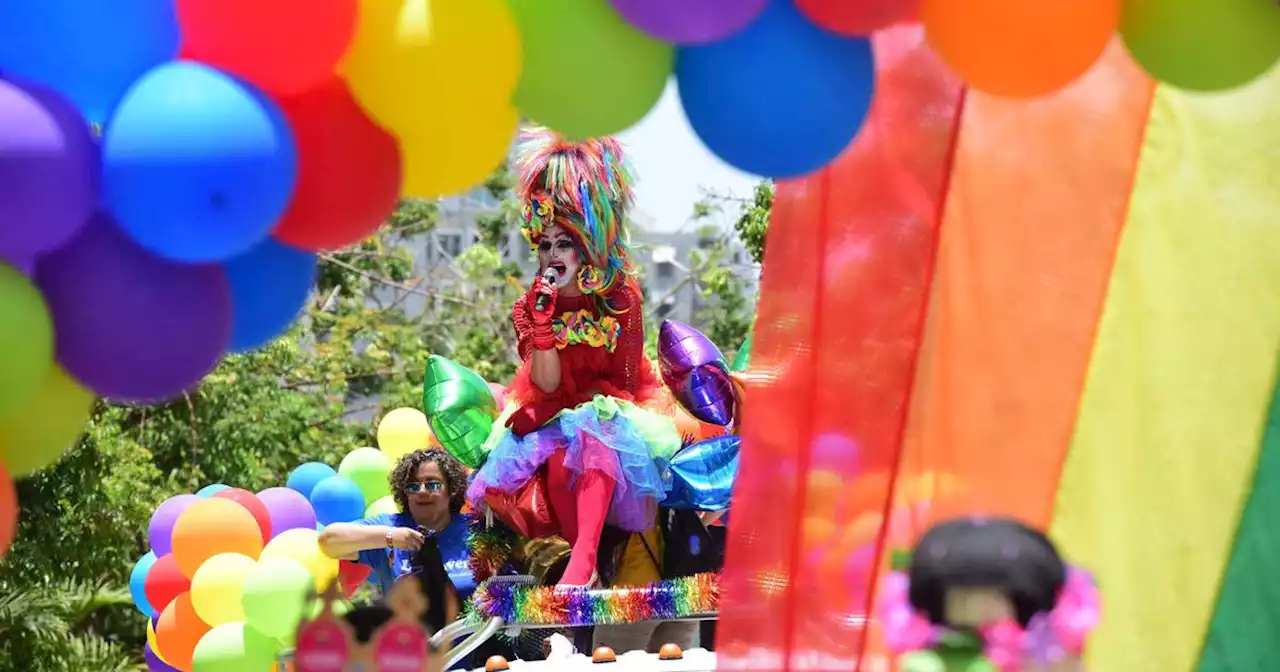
column 212, row 526
column 1020, row 48
column 178, row 630
column 8, row 511
column 693, row 429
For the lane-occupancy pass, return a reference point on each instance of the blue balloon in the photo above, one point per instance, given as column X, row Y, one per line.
column 269, row 286
column 304, row 478
column 703, row 474
column 138, row 584
column 782, row 97
column 90, row 52
column 211, row 490
column 337, row 499
column 197, row 166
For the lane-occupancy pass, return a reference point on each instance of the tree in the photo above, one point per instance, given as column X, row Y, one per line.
column 358, row 350
column 729, row 314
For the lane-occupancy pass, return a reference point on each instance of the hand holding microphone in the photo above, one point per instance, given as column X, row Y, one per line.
column 545, row 289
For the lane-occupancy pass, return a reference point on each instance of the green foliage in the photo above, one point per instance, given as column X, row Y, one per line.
column 358, row 351
column 729, row 314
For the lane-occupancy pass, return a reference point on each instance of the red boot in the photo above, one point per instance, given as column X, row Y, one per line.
column 593, row 493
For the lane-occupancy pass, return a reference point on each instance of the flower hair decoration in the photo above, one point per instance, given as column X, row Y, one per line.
column 1049, row 638
column 539, row 213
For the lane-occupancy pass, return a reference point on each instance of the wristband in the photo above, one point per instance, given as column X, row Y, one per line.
column 390, row 539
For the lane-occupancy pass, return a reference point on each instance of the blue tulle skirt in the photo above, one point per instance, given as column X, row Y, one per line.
column 629, row 444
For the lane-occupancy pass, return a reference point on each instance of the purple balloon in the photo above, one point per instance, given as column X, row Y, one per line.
column 681, row 349
column 707, row 393
column 154, row 664
column 130, row 325
column 48, row 170
column 160, row 529
column 288, row 510
column 689, row 21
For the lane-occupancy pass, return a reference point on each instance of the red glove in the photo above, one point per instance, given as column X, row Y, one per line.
column 530, row 417
column 543, row 336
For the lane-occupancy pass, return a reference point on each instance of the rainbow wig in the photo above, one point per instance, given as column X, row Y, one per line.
column 585, row 188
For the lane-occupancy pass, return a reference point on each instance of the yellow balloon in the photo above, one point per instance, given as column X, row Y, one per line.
column 303, row 547
column 403, row 431
column 40, row 430
column 151, row 639
column 456, row 147
column 411, row 58
column 217, row 587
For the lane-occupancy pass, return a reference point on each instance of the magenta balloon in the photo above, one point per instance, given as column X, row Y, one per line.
column 288, row 509
column 160, row 529
column 130, row 325
column 48, row 170
column 689, row 21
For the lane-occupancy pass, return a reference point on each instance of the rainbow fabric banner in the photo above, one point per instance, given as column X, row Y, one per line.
column 1065, row 310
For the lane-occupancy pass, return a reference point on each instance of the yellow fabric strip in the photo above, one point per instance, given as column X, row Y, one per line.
column 1176, row 396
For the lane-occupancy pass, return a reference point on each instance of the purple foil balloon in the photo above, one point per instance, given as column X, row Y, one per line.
column 160, row 529
column 133, row 326
column 154, row 664
column 681, row 348
column 48, row 171
column 689, row 21
column 707, row 393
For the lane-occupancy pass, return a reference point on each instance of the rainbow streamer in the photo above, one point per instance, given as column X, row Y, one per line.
column 572, row 607
column 1065, row 310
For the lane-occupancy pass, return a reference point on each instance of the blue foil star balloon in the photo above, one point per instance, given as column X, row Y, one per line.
column 702, row 475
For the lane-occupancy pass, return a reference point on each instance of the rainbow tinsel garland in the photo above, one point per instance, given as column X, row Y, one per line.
column 552, row 606
column 490, row 549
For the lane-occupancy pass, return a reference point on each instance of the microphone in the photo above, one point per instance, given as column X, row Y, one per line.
column 550, row 276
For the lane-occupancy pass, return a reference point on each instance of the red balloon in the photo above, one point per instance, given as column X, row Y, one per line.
column 352, row 575
column 282, row 46
column 164, row 582
column 858, row 17
column 255, row 506
column 8, row 511
column 348, row 170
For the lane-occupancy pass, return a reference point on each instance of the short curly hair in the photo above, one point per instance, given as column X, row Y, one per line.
column 407, row 467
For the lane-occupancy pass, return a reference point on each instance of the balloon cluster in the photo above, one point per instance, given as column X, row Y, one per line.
column 227, row 578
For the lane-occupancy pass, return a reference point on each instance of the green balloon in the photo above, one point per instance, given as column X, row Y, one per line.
column 922, row 661
column 460, row 408
column 369, row 469
column 234, row 647
column 979, row 664
column 742, row 360
column 274, row 596
column 26, row 339
column 586, row 71
column 1203, row 45
column 385, row 504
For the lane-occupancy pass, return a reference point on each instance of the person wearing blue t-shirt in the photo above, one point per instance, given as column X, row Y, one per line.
column 429, row 487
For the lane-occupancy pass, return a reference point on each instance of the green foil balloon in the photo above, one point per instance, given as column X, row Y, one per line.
column 1203, row 45
column 742, row 360
column 460, row 408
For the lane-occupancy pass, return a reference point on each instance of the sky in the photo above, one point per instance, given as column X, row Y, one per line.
column 672, row 165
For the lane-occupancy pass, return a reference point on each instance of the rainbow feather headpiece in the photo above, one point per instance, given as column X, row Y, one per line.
column 584, row 187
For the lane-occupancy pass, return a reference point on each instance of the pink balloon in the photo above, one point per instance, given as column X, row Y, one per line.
column 689, row 21
column 498, row 392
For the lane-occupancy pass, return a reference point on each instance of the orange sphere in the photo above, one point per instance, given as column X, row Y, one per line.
column 604, row 654
column 178, row 630
column 670, row 651
column 496, row 664
column 212, row 526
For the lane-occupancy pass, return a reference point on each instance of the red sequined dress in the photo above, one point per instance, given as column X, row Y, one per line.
column 610, row 412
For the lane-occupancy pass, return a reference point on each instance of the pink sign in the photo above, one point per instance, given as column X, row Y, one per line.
column 401, row 647
column 322, row 647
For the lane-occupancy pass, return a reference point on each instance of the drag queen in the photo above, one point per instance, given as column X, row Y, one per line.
column 585, row 411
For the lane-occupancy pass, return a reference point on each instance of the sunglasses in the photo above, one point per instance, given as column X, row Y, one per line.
column 429, row 486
